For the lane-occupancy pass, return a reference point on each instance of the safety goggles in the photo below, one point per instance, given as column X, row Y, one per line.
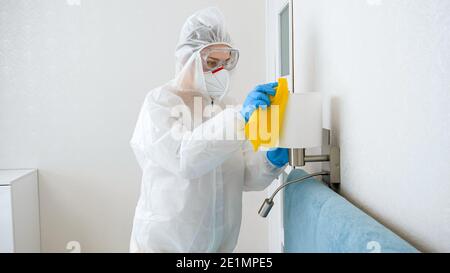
column 215, row 59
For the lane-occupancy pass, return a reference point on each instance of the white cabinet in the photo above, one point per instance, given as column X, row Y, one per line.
column 19, row 211
column 279, row 37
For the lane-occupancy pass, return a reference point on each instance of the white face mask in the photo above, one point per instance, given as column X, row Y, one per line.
column 217, row 83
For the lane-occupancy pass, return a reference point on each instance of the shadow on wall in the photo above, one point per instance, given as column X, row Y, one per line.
column 335, row 112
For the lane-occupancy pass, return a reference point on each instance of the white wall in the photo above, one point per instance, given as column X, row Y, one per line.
column 385, row 67
column 73, row 75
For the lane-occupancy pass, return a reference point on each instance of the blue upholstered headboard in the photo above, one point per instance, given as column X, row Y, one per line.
column 316, row 219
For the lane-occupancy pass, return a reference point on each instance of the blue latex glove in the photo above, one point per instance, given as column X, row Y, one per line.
column 259, row 97
column 278, row 157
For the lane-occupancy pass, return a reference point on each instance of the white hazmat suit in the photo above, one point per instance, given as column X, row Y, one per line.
column 191, row 192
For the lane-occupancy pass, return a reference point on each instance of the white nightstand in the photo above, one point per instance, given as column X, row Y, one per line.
column 19, row 211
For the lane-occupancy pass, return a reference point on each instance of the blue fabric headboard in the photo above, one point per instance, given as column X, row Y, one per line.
column 316, row 219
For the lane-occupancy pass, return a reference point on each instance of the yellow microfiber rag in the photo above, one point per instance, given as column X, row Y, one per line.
column 264, row 127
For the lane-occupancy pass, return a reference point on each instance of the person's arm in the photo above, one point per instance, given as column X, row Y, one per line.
column 261, row 167
column 259, row 171
column 187, row 154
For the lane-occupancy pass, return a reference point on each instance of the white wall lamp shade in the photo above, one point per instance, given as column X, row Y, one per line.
column 302, row 125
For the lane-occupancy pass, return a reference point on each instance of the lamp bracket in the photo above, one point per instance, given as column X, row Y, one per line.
column 330, row 159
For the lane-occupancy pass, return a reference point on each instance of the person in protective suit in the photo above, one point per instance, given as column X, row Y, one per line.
column 192, row 185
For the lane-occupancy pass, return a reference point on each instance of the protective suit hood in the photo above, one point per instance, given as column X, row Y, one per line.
column 204, row 28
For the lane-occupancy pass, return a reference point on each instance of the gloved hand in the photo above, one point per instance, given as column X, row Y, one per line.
column 259, row 97
column 278, row 157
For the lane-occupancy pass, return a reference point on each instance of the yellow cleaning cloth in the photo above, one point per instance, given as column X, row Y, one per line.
column 264, row 127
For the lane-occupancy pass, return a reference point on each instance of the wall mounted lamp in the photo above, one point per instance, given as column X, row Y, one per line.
column 302, row 129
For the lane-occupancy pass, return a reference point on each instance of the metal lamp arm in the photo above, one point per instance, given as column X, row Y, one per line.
column 268, row 203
